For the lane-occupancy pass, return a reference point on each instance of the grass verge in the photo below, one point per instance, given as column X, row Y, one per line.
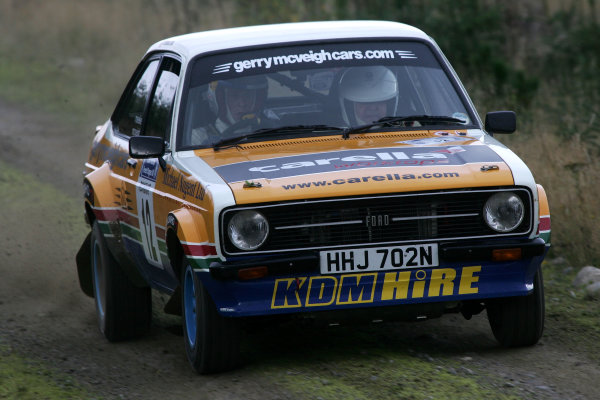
column 63, row 89
column 569, row 312
column 373, row 361
column 381, row 374
column 23, row 379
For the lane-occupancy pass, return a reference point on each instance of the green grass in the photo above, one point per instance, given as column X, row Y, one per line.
column 569, row 312
column 380, row 374
column 24, row 379
column 68, row 89
column 380, row 361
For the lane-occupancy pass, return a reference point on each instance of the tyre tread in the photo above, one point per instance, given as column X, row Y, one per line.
column 518, row 321
column 128, row 308
column 218, row 337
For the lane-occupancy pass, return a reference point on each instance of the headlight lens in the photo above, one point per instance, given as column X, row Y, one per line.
column 248, row 230
column 503, row 212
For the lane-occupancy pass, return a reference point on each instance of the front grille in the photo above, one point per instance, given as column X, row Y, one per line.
column 417, row 217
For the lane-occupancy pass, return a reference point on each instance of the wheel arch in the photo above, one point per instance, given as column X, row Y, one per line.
column 184, row 226
column 97, row 190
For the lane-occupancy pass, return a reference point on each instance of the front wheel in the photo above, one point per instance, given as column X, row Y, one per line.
column 124, row 311
column 519, row 321
column 212, row 342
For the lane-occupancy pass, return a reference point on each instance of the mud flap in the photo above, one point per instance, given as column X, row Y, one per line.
column 173, row 306
column 84, row 266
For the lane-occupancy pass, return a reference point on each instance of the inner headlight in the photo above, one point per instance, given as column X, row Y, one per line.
column 248, row 230
column 503, row 212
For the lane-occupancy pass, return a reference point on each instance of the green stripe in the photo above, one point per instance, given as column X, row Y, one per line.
column 131, row 232
column 201, row 263
column 135, row 234
column 546, row 236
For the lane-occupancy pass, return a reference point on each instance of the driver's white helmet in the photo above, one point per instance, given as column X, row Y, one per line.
column 367, row 85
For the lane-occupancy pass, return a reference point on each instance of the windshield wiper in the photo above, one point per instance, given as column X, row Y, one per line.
column 279, row 130
column 395, row 121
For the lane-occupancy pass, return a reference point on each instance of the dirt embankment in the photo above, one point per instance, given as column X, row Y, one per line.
column 44, row 315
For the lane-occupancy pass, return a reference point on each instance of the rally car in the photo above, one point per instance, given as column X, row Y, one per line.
column 326, row 169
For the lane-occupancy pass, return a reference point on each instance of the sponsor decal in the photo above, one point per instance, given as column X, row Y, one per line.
column 327, row 290
column 191, row 188
column 314, row 163
column 311, row 57
column 375, row 178
column 188, row 188
column 171, row 178
column 149, row 170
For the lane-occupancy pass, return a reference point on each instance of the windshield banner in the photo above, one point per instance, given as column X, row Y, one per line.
column 335, row 55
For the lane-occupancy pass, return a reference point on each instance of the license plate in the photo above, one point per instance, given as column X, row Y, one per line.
column 379, row 258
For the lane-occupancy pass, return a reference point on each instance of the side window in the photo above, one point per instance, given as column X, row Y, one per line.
column 129, row 116
column 160, row 113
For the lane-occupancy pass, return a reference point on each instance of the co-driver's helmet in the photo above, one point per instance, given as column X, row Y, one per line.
column 217, row 94
column 367, row 85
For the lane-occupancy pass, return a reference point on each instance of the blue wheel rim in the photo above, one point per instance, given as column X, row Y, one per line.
column 189, row 304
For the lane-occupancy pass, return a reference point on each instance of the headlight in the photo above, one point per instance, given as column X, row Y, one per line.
column 503, row 212
column 248, row 230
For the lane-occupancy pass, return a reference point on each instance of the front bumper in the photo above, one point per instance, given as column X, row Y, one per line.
column 294, row 284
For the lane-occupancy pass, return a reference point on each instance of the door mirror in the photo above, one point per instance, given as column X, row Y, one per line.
column 146, row 147
column 501, row 122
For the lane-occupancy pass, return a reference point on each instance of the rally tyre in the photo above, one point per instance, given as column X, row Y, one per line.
column 212, row 342
column 124, row 311
column 519, row 321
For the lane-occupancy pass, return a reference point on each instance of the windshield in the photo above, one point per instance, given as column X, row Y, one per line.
column 331, row 85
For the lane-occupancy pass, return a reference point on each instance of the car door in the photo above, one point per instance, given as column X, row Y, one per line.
column 145, row 109
column 127, row 121
column 154, row 205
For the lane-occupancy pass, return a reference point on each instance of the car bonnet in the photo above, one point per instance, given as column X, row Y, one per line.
column 363, row 165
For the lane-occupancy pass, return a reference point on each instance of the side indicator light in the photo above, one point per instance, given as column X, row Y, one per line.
column 253, row 273
column 506, row 254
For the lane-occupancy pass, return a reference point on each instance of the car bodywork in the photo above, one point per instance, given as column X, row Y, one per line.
column 382, row 218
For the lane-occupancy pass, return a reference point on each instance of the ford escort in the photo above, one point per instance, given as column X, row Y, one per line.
column 320, row 169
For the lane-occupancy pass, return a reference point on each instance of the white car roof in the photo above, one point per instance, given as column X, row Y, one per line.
column 196, row 43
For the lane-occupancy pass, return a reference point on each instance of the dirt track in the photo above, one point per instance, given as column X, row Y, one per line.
column 44, row 315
